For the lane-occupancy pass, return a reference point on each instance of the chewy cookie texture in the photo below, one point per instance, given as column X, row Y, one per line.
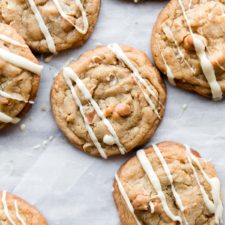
column 169, row 184
column 109, row 101
column 14, row 210
column 51, row 26
column 188, row 44
column 20, row 75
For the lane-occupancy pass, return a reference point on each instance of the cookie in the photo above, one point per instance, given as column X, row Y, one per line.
column 14, row 210
column 109, row 101
column 52, row 25
column 188, row 42
column 19, row 76
column 169, row 184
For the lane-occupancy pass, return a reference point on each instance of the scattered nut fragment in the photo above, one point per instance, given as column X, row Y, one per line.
column 90, row 116
column 4, row 101
column 141, row 202
column 109, row 110
column 188, row 42
column 123, row 109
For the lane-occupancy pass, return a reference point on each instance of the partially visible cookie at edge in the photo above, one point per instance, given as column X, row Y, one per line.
column 19, row 76
column 168, row 183
column 52, row 26
column 188, row 43
column 109, row 101
column 15, row 210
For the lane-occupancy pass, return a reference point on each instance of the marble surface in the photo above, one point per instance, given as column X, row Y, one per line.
column 70, row 187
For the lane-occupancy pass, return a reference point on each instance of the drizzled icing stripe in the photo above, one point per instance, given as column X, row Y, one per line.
column 126, row 199
column 20, row 61
column 14, row 96
column 169, row 72
column 11, row 41
column 217, row 206
column 146, row 165
column 8, row 119
column 65, row 16
column 206, row 65
column 18, row 216
column 170, row 178
column 6, row 210
column 70, row 74
column 115, row 48
column 86, row 124
column 168, row 31
column 43, row 27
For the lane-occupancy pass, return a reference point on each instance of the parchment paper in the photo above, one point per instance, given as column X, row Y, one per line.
column 70, row 187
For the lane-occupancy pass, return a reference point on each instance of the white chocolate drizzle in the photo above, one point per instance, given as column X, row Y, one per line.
column 13, row 96
column 215, row 207
column 169, row 32
column 70, row 74
column 6, row 210
column 170, row 178
column 86, row 124
column 126, row 199
column 205, row 63
column 8, row 119
column 115, row 48
column 66, row 17
column 43, row 27
column 169, row 72
column 20, row 61
column 153, row 178
column 18, row 216
column 12, row 41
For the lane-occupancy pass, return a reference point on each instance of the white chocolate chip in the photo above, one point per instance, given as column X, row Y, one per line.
column 109, row 139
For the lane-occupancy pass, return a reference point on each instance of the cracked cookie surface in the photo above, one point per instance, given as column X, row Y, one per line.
column 19, row 76
column 62, row 22
column 15, row 210
column 120, row 118
column 188, row 45
column 144, row 204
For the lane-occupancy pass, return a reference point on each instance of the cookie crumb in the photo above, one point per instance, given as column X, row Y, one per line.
column 36, row 147
column 23, row 127
column 49, row 58
column 44, row 108
column 184, row 107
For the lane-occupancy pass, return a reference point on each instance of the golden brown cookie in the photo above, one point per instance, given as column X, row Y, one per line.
column 109, row 101
column 14, row 210
column 168, row 184
column 19, row 76
column 52, row 25
column 188, row 43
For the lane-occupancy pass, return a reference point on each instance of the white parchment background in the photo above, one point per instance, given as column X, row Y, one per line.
column 70, row 187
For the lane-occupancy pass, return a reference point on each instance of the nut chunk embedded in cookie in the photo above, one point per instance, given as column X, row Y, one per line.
column 168, row 184
column 109, row 101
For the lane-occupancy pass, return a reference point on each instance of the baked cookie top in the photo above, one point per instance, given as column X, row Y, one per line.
column 188, row 42
column 109, row 101
column 14, row 210
column 51, row 25
column 169, row 184
column 19, row 76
